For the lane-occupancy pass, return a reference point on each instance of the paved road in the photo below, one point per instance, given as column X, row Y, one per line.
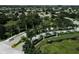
column 6, row 49
column 5, row 46
column 73, row 20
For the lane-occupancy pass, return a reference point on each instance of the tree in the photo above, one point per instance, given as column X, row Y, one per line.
column 11, row 26
column 47, row 23
column 2, row 30
column 32, row 21
column 62, row 23
column 3, row 18
column 28, row 47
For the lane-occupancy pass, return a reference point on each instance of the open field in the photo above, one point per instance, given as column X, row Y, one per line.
column 66, row 43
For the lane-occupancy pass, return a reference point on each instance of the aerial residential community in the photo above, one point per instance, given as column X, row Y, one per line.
column 42, row 29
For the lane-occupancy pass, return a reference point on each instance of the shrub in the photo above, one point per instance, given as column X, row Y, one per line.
column 23, row 39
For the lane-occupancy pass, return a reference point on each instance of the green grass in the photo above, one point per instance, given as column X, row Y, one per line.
column 64, row 36
column 23, row 39
column 68, row 44
column 65, row 47
column 16, row 44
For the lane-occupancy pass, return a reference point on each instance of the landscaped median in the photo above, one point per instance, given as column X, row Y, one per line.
column 20, row 43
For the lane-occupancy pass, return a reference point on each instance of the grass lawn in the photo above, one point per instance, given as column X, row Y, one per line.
column 67, row 44
column 64, row 36
column 65, row 47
